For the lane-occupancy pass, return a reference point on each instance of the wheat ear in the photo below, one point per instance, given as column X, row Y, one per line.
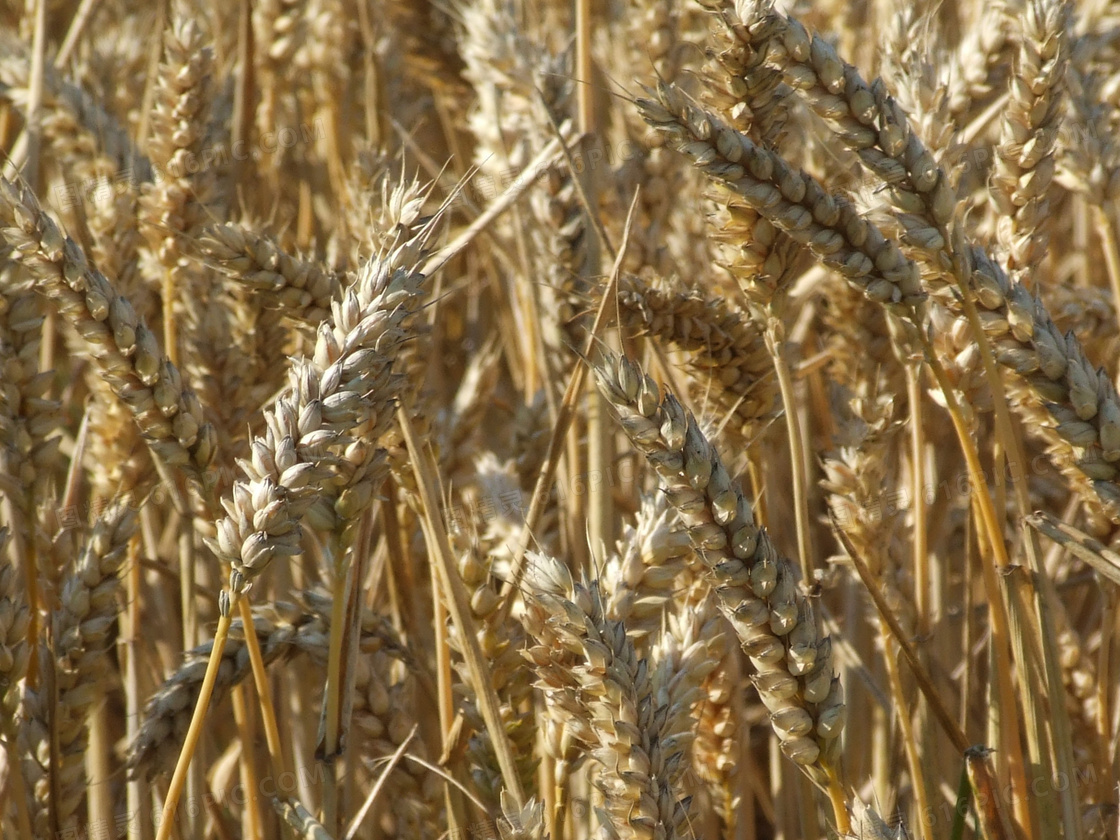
column 81, row 626
column 301, row 289
column 1024, row 165
column 724, row 348
column 14, row 620
column 756, row 585
column 168, row 414
column 793, row 201
column 593, row 678
column 347, row 383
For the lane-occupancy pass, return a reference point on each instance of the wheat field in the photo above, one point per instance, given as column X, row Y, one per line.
column 621, row 419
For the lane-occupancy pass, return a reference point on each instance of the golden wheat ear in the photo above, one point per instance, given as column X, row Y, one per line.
column 610, row 700
column 756, row 585
column 127, row 352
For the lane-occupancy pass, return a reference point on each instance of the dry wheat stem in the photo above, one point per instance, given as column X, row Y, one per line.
column 264, row 694
column 775, row 341
column 565, row 415
column 198, row 719
column 356, row 822
column 300, row 820
column 480, row 566
column 925, row 682
column 460, row 611
column 1003, row 639
column 247, row 763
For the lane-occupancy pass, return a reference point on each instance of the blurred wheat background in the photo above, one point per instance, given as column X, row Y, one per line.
column 562, row 419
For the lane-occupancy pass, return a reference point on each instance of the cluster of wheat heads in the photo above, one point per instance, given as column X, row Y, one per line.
column 564, row 419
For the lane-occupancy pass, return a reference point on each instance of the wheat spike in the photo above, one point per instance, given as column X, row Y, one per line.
column 756, row 586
